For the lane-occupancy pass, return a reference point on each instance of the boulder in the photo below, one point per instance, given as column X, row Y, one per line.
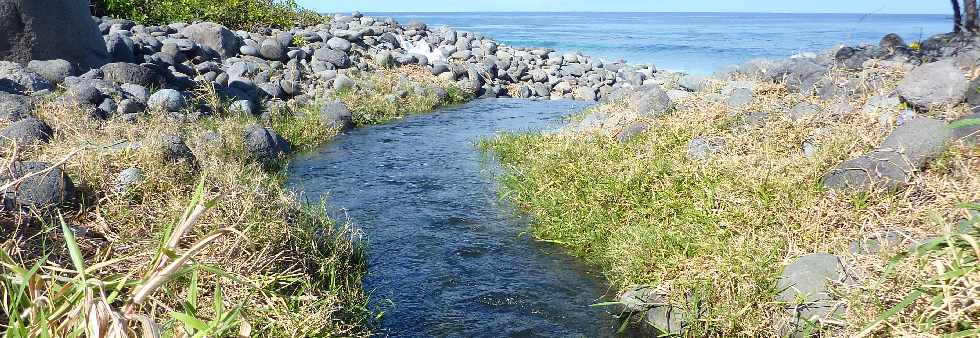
column 973, row 93
column 264, row 144
column 49, row 30
column 740, row 97
column 39, row 191
column 803, row 110
column 650, row 100
column 15, row 78
column 136, row 92
column 85, row 93
column 339, row 44
column 214, row 36
column 272, row 50
column 130, row 106
column 907, row 149
column 801, row 75
column 803, row 288
column 120, row 48
column 693, row 82
column 656, row 313
column 934, row 85
column 14, row 107
column 123, row 72
column 166, row 100
column 584, row 94
column 26, row 132
column 335, row 57
column 55, row 71
column 892, row 41
column 336, row 115
column 174, row 149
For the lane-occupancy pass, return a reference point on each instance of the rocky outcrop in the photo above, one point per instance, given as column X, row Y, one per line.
column 34, row 30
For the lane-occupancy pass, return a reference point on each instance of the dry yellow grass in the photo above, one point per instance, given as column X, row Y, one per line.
column 716, row 233
column 289, row 272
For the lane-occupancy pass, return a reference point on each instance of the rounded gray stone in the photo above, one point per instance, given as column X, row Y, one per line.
column 167, row 100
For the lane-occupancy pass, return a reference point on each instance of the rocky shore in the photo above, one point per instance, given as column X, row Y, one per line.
column 121, row 78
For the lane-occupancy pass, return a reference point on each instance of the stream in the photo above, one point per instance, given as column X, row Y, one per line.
column 447, row 256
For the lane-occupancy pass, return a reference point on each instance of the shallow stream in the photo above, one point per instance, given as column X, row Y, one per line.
column 447, row 257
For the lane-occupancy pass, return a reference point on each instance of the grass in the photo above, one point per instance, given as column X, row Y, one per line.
column 716, row 233
column 279, row 268
column 388, row 94
column 235, row 14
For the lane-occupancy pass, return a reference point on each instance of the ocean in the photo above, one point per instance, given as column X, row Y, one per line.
column 689, row 42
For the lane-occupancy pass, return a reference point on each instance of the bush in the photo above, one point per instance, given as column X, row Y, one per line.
column 236, row 14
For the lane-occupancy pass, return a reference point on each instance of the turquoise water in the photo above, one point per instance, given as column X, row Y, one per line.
column 692, row 42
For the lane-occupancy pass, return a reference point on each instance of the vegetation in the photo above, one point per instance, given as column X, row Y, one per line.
column 276, row 268
column 236, row 14
column 716, row 233
column 388, row 94
column 256, row 263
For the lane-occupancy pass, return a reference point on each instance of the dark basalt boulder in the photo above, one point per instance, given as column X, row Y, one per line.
column 48, row 30
column 40, row 191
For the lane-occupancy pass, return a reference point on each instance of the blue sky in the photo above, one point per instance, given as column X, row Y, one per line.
column 796, row 6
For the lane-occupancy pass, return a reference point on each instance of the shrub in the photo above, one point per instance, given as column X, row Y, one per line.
column 236, row 14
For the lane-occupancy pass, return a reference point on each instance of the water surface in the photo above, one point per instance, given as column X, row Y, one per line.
column 692, row 42
column 451, row 258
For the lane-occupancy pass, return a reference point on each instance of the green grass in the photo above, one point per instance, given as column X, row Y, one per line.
column 282, row 269
column 717, row 233
column 376, row 99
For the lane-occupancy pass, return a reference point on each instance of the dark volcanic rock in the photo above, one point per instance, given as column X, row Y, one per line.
column 336, row 115
column 15, row 78
column 807, row 279
column 14, row 107
column 264, row 144
column 892, row 41
column 167, row 100
column 214, row 36
column 906, row 150
column 934, row 85
column 27, row 132
column 48, row 30
column 39, row 191
column 54, row 71
column 121, row 72
column 650, row 101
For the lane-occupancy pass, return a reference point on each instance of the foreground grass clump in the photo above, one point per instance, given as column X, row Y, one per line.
column 392, row 93
column 236, row 14
column 279, row 268
column 716, row 233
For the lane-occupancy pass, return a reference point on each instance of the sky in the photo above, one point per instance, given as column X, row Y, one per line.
column 791, row 6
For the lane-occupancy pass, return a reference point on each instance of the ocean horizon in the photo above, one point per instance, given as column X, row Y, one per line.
column 693, row 42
